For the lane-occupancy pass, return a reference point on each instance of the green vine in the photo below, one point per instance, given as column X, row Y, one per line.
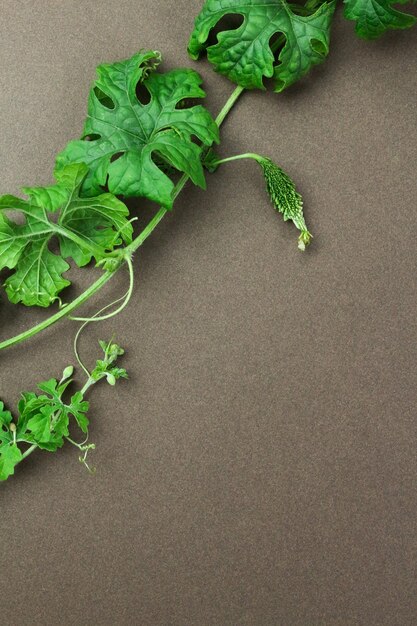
column 129, row 148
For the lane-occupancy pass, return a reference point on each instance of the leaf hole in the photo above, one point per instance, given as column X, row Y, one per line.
column 276, row 43
column 227, row 22
column 187, row 103
column 319, row 47
column 115, row 156
column 92, row 137
column 105, row 187
column 104, row 99
column 143, row 94
column 298, row 7
column 163, row 163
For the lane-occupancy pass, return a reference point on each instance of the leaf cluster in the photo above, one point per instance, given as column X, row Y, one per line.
column 128, row 148
column 43, row 417
column 142, row 126
column 250, row 53
column 106, row 367
column 42, row 420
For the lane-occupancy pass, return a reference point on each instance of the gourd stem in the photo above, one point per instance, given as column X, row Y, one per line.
column 237, row 157
column 129, row 250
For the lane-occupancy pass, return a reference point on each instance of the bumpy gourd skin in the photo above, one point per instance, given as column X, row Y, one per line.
column 244, row 55
column 285, row 198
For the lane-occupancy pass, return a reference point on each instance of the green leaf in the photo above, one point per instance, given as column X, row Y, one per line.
column 244, row 54
column 124, row 140
column 43, row 427
column 54, row 389
column 84, row 229
column 78, row 409
column 27, row 407
column 50, row 415
column 5, row 417
column 375, row 17
column 105, row 368
column 10, row 456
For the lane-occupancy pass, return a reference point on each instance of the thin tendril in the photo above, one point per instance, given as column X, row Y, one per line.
column 97, row 317
column 77, row 355
column 126, row 299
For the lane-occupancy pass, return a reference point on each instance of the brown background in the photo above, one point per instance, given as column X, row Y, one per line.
column 259, row 467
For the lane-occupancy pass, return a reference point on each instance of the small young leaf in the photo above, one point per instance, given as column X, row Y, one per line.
column 78, row 409
column 45, row 430
column 121, row 134
column 105, row 367
column 244, row 54
column 67, row 373
column 5, row 420
column 53, row 388
column 10, row 456
column 375, row 17
column 84, row 228
column 119, row 372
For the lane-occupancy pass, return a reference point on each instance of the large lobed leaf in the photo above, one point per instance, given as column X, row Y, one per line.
column 244, row 54
column 84, row 228
column 124, row 140
column 375, row 17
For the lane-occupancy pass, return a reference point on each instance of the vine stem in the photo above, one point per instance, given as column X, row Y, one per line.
column 229, row 105
column 66, row 310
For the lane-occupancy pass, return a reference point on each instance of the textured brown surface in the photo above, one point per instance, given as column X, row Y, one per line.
column 259, row 467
